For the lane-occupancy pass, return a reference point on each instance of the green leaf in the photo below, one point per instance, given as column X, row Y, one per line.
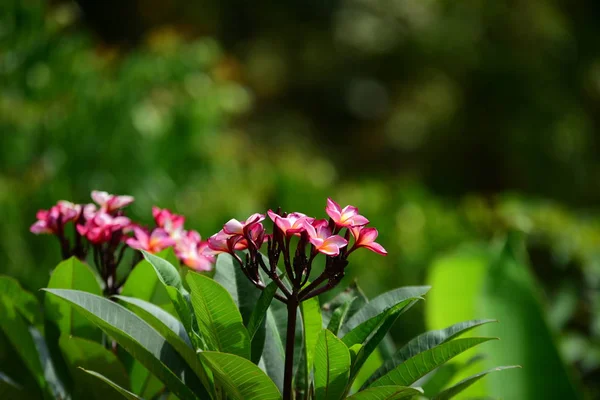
column 167, row 272
column 167, row 325
column 312, row 325
column 272, row 360
column 136, row 336
column 386, row 393
column 332, row 367
column 338, row 317
column 260, row 311
column 360, row 333
column 462, row 385
column 143, row 282
column 423, row 343
column 170, row 328
column 353, row 291
column 218, row 317
column 126, row 394
column 72, row 274
column 381, row 303
column 241, row 379
column 52, row 382
column 245, row 295
column 421, row 364
column 371, row 343
column 84, row 353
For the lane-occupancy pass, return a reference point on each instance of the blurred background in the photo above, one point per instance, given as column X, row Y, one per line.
column 451, row 125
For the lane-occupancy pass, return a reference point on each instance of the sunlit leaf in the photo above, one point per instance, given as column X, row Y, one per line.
column 218, row 317
column 241, row 379
column 332, row 367
column 421, row 364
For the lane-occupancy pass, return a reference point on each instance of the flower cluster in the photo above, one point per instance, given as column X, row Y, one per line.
column 337, row 237
column 102, row 229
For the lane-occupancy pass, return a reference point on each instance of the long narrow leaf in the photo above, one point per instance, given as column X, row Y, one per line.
column 126, row 394
column 425, row 342
column 260, row 311
column 382, row 303
column 136, row 336
column 241, row 379
column 339, row 316
column 465, row 383
column 386, row 393
column 332, row 367
column 421, row 364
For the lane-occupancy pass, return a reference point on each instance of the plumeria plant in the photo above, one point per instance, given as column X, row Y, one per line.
column 251, row 327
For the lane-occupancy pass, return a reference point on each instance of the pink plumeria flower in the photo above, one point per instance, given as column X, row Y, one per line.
column 292, row 224
column 158, row 240
column 109, row 202
column 222, row 242
column 235, row 227
column 69, row 211
column 365, row 237
column 100, row 228
column 320, row 236
column 344, row 217
column 170, row 222
column 52, row 220
column 47, row 221
column 194, row 254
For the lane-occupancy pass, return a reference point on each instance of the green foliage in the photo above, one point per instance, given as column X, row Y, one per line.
column 210, row 358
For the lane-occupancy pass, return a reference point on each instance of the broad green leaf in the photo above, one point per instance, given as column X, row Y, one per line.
column 386, row 393
column 136, row 336
column 423, row 343
column 332, row 367
column 72, row 274
column 247, row 297
column 421, row 364
column 17, row 332
column 382, row 303
column 218, row 317
column 143, row 282
column 124, row 393
column 167, row 325
column 241, row 379
column 338, row 317
column 167, row 272
column 170, row 328
column 82, row 353
column 26, row 303
column 260, row 310
column 462, row 385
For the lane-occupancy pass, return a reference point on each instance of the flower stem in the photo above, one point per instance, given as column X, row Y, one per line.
column 292, row 308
